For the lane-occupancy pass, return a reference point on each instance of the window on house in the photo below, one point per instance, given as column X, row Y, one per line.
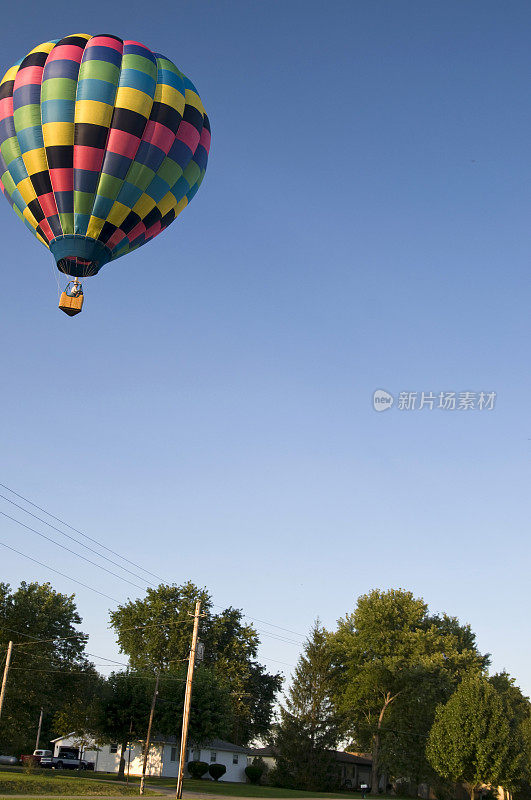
column 113, row 748
column 235, row 758
column 213, row 756
column 197, row 755
column 174, row 755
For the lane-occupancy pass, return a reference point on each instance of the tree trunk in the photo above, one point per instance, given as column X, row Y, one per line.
column 472, row 791
column 375, row 756
column 121, row 769
column 388, row 699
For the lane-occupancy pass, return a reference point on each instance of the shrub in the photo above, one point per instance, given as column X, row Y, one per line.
column 255, row 770
column 31, row 766
column 197, row 768
column 217, row 770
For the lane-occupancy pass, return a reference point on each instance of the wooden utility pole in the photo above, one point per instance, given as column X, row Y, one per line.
column 39, row 731
column 187, row 702
column 129, row 748
column 4, row 679
column 148, row 738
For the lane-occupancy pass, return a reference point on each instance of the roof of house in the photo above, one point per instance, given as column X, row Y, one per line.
column 341, row 756
column 60, row 738
column 220, row 744
column 211, row 744
column 351, row 758
column 262, row 752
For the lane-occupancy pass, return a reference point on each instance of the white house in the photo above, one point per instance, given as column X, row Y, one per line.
column 163, row 758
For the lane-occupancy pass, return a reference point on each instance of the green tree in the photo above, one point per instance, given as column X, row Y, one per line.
column 393, row 663
column 309, row 726
column 523, row 788
column 517, row 709
column 82, row 713
column 446, row 651
column 155, row 633
column 48, row 669
column 469, row 741
column 123, row 711
column 211, row 713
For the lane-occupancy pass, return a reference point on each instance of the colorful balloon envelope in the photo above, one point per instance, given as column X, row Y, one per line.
column 102, row 144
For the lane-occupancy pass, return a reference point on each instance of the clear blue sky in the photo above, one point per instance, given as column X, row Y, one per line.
column 364, row 223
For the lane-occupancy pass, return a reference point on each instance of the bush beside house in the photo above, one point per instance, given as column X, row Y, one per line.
column 197, row 768
column 216, row 771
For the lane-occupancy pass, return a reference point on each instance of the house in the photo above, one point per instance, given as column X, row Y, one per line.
column 163, row 758
column 354, row 769
column 267, row 754
column 218, row 751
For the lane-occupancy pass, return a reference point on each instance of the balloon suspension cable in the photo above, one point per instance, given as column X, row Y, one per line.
column 56, row 276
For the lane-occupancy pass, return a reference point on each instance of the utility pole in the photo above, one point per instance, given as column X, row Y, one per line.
column 148, row 738
column 39, row 731
column 4, row 679
column 129, row 748
column 187, row 702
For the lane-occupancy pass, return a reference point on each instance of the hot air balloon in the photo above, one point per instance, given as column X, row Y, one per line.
column 102, row 144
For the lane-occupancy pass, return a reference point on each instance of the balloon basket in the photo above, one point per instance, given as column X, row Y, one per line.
column 71, row 305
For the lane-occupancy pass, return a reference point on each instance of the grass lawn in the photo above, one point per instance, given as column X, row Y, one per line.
column 228, row 789
column 74, row 784
column 64, row 785
column 249, row 790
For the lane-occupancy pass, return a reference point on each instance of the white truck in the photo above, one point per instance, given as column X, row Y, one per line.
column 66, row 758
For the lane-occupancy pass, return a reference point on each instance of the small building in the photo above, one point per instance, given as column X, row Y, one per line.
column 267, row 754
column 163, row 758
column 354, row 769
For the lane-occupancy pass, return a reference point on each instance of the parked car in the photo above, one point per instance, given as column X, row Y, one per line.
column 36, row 757
column 67, row 758
column 9, row 761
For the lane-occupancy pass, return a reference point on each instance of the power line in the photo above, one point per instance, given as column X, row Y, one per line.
column 95, row 541
column 266, row 658
column 47, row 566
column 41, row 641
column 111, row 662
column 76, row 635
column 95, row 655
column 78, row 555
column 72, row 538
column 262, row 621
column 277, row 637
column 133, row 675
column 132, row 628
column 129, row 561
column 135, row 627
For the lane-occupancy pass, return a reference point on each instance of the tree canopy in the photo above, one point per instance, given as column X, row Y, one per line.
column 48, row 667
column 393, row 663
column 309, row 726
column 155, row 633
column 470, row 738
